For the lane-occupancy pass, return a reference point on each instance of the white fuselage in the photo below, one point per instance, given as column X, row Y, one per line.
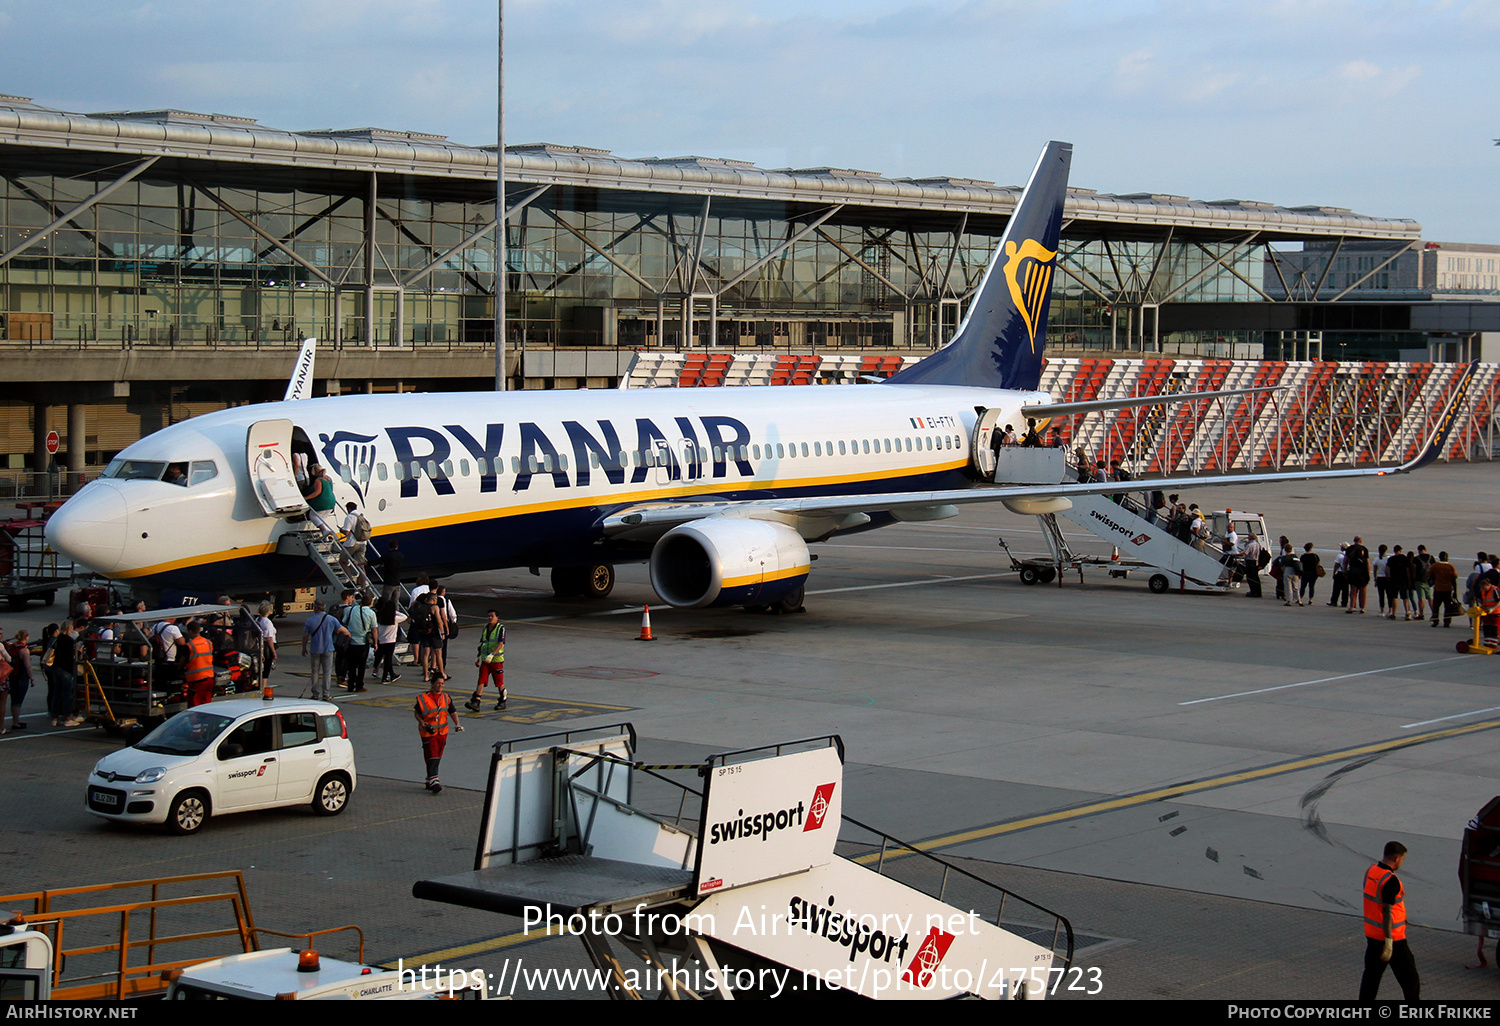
column 470, row 481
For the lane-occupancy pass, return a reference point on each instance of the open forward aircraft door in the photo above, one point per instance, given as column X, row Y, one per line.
column 269, row 455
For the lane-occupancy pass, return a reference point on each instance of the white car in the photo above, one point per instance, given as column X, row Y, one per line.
column 231, row 756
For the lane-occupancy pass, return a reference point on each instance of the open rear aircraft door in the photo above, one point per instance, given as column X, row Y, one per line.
column 269, row 455
column 982, row 452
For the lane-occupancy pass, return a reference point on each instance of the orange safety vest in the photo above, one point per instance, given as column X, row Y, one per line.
column 200, row 663
column 1375, row 878
column 434, row 712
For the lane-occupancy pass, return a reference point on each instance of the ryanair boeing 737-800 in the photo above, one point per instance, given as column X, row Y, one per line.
column 720, row 489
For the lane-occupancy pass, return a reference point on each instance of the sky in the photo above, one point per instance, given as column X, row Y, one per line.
column 1381, row 106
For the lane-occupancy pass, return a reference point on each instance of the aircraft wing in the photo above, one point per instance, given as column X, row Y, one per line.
column 648, row 519
column 1093, row 405
column 640, row 519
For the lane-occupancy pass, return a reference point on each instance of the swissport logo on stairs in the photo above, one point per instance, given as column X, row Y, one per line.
column 765, row 818
column 816, row 812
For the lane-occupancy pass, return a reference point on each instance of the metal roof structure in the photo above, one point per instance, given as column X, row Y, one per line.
column 232, row 142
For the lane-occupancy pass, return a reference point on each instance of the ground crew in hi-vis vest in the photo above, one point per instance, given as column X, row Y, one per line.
column 490, row 660
column 198, row 674
column 434, row 711
column 1385, row 928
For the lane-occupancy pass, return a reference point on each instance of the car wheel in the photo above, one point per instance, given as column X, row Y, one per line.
column 188, row 813
column 332, row 795
column 1029, row 575
column 1159, row 584
column 1047, row 575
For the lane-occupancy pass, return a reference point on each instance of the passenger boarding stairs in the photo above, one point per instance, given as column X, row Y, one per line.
column 578, row 837
column 322, row 546
column 1123, row 520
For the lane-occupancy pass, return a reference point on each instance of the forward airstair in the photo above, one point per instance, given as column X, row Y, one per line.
column 745, row 888
column 322, row 546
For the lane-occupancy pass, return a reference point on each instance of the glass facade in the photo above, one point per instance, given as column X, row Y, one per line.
column 191, row 260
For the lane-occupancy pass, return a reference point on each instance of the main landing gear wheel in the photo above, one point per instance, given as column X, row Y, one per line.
column 589, row 582
column 792, row 602
column 1159, row 584
column 601, row 581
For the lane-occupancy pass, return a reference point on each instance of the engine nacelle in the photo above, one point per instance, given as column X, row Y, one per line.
column 728, row 562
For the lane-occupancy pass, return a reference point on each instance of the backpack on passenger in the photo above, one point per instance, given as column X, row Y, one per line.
column 422, row 619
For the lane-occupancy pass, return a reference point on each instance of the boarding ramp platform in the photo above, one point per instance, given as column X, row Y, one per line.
column 1139, row 542
column 745, row 881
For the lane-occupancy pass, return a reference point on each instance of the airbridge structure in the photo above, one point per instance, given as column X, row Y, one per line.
column 159, row 264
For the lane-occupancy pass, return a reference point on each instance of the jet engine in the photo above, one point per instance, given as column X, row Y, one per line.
column 724, row 561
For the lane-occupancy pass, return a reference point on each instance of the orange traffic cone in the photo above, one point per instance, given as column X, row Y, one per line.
column 646, row 626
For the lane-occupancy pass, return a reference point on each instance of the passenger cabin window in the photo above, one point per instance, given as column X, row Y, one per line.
column 380, row 471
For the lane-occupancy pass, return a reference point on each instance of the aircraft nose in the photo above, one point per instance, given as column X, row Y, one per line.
column 91, row 527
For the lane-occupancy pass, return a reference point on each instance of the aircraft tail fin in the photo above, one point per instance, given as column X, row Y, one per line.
column 301, row 383
column 999, row 344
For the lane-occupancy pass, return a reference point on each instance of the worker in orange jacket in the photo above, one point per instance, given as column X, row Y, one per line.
column 198, row 673
column 1385, row 928
column 434, row 711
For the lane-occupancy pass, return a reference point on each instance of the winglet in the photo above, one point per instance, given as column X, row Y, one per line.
column 300, row 386
column 1437, row 442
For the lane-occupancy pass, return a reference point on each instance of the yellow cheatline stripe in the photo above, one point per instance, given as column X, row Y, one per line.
column 1178, row 790
column 774, row 575
column 710, row 488
column 211, row 557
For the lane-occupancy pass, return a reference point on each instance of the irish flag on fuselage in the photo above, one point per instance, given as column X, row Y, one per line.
column 999, row 344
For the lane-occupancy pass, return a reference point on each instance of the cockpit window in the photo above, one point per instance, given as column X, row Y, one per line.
column 136, row 470
column 181, row 472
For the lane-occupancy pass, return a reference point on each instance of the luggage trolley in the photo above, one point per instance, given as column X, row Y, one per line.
column 123, row 682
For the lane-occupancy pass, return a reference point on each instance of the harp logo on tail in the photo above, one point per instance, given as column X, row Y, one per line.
column 1028, row 271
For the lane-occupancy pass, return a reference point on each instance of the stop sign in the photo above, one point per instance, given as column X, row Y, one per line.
column 53, row 442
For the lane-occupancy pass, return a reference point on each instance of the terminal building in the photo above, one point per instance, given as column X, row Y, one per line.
column 159, row 264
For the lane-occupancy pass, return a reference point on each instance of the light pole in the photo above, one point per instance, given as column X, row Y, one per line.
column 500, row 381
